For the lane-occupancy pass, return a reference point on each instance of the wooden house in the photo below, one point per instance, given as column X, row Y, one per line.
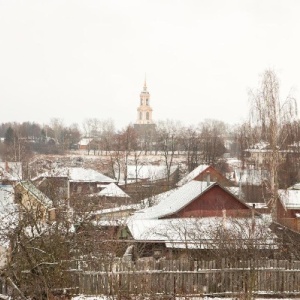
column 68, row 182
column 200, row 216
column 84, row 143
column 288, row 208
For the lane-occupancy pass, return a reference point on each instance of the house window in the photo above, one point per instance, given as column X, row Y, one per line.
column 147, row 115
column 79, row 189
column 147, row 101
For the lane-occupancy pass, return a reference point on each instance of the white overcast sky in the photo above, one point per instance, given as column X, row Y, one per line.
column 87, row 59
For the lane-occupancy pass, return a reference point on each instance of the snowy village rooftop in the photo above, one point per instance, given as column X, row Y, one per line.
column 77, row 174
column 290, row 198
column 195, row 233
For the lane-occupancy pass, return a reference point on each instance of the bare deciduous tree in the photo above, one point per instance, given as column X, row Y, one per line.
column 269, row 114
column 168, row 133
column 212, row 140
column 190, row 143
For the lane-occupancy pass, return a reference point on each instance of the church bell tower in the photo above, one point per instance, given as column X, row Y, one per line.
column 144, row 126
column 144, row 111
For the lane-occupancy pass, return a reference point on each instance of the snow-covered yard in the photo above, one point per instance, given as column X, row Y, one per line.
column 82, row 297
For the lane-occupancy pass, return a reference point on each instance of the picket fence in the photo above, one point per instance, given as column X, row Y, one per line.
column 189, row 277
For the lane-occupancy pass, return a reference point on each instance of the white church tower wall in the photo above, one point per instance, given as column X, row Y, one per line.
column 144, row 111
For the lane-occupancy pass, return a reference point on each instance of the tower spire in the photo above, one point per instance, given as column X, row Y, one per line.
column 145, row 84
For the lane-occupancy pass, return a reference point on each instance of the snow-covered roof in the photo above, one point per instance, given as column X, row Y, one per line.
column 155, row 199
column 258, row 205
column 290, row 198
column 197, row 233
column 85, row 141
column 77, row 174
column 146, row 172
column 175, row 201
column 296, row 186
column 117, row 209
column 112, row 190
column 192, row 175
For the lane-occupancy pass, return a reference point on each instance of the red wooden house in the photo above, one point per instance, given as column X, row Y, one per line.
column 198, row 199
column 199, row 215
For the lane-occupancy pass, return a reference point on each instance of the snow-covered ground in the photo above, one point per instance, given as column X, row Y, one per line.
column 82, row 297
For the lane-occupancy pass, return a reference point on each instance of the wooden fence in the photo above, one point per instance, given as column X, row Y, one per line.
column 187, row 277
